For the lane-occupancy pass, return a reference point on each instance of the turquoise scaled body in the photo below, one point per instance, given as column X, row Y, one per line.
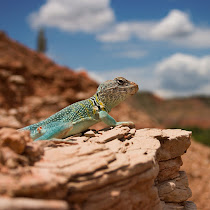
column 79, row 116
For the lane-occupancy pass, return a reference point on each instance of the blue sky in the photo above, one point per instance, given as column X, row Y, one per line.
column 162, row 45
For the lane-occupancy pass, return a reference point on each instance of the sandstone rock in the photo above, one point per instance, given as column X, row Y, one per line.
column 132, row 131
column 169, row 169
column 32, row 204
column 11, row 159
column 175, row 190
column 4, row 74
column 174, row 142
column 14, row 139
column 89, row 133
column 33, row 151
column 13, row 112
column 9, row 121
column 17, row 148
column 172, row 206
column 17, row 79
column 117, row 133
column 114, row 170
column 114, row 145
column 34, row 183
column 187, row 205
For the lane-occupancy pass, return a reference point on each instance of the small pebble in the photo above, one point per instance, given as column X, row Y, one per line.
column 132, row 131
column 90, row 133
column 126, row 143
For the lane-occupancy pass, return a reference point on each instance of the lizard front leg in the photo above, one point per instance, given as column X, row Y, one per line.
column 109, row 120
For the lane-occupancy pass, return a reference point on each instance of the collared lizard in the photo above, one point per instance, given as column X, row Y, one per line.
column 79, row 116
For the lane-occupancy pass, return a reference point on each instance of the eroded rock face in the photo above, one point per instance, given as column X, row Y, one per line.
column 175, row 190
column 110, row 169
column 28, row 203
column 169, row 169
column 17, row 148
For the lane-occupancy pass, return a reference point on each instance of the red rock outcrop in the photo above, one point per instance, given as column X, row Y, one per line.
column 119, row 168
column 18, row 149
column 33, row 86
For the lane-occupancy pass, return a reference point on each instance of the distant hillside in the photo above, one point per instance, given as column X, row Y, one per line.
column 32, row 73
column 33, row 87
column 183, row 112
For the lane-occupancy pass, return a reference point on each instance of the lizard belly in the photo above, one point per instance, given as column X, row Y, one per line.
column 81, row 125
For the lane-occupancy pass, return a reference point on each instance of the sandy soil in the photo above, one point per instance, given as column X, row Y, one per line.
column 197, row 165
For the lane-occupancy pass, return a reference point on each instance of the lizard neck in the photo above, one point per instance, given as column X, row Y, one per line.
column 106, row 101
column 96, row 100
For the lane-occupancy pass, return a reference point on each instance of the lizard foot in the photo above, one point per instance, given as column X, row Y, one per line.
column 129, row 124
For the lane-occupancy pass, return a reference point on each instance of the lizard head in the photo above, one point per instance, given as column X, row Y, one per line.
column 113, row 92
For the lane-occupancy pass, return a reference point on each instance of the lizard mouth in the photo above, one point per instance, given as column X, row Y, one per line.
column 135, row 87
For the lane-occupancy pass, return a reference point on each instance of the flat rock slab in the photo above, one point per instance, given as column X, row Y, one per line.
column 174, row 142
column 113, row 169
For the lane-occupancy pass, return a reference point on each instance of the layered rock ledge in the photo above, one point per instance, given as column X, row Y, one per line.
column 117, row 168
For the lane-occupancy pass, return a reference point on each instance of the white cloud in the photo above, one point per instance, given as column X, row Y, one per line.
column 94, row 16
column 177, row 75
column 74, row 15
column 176, row 28
column 125, row 31
column 183, row 74
column 198, row 39
column 175, row 24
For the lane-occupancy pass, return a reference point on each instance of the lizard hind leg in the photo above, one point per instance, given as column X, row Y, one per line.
column 56, row 131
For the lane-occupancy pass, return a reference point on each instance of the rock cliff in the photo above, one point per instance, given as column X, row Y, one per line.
column 116, row 168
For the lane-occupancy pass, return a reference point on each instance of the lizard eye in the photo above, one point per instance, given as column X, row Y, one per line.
column 120, row 81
